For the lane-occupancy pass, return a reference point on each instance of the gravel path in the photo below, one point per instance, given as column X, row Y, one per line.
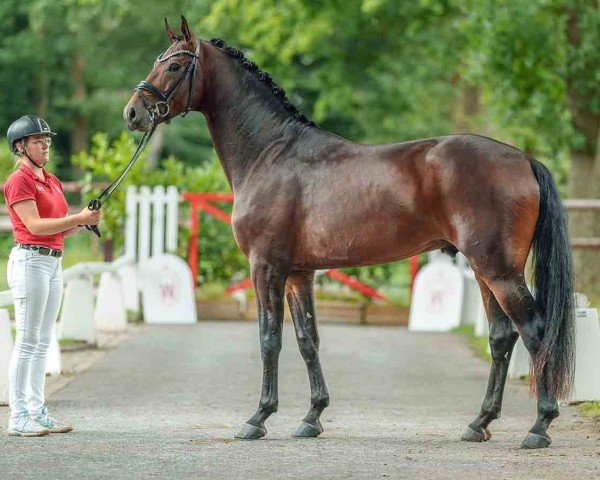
column 166, row 403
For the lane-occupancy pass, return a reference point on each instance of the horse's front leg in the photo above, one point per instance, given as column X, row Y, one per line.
column 269, row 283
column 300, row 297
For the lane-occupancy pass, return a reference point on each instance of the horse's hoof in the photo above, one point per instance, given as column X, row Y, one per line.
column 250, row 432
column 472, row 435
column 308, row 430
column 533, row 440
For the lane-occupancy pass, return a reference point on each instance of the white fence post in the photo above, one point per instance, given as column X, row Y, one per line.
column 128, row 281
column 144, row 232
column 109, row 313
column 158, row 220
column 130, row 222
column 519, row 361
column 77, row 314
column 172, row 218
column 6, row 348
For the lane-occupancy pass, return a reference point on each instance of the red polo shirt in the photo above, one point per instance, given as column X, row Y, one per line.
column 24, row 184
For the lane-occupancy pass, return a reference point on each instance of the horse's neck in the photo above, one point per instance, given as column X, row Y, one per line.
column 243, row 122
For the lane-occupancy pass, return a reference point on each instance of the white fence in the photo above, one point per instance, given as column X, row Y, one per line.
column 151, row 223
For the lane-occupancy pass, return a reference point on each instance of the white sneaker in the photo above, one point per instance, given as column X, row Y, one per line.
column 23, row 426
column 53, row 426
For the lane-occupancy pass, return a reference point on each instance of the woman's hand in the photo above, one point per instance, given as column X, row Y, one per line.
column 89, row 217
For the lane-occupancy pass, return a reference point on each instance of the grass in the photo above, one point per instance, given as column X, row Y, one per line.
column 68, row 342
column 590, row 409
column 479, row 345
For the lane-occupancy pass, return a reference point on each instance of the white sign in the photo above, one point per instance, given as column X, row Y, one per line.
column 437, row 297
column 167, row 290
column 587, row 375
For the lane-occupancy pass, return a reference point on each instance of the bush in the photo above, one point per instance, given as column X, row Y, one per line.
column 220, row 256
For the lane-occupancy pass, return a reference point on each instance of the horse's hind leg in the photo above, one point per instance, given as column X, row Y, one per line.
column 516, row 300
column 502, row 340
column 300, row 297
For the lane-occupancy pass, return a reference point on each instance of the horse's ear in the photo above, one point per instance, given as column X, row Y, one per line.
column 187, row 34
column 170, row 32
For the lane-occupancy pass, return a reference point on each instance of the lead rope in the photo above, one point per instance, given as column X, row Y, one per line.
column 96, row 203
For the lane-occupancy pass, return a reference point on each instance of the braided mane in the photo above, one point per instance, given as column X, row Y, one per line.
column 264, row 77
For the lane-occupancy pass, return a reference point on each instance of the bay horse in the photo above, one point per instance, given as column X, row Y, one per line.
column 306, row 199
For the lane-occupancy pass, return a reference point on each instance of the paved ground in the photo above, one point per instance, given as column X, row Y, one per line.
column 167, row 402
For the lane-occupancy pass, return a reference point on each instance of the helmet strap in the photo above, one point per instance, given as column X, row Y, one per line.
column 27, row 155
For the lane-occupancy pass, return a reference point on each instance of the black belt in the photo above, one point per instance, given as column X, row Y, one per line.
column 51, row 252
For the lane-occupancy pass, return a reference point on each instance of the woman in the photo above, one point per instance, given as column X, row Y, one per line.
column 38, row 213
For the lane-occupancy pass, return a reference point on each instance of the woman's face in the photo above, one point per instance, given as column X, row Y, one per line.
column 38, row 148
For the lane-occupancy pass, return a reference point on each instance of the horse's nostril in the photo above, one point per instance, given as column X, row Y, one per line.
column 132, row 114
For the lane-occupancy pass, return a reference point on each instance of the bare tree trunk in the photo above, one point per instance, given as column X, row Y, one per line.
column 584, row 175
column 468, row 106
column 108, row 250
column 79, row 139
column 155, row 148
column 42, row 87
column 42, row 80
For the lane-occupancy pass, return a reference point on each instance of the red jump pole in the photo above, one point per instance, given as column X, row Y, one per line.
column 194, row 233
column 414, row 268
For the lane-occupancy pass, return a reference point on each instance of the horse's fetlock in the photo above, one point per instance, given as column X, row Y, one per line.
column 490, row 413
column 269, row 406
column 320, row 402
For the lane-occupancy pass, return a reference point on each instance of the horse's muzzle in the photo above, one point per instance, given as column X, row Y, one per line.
column 135, row 116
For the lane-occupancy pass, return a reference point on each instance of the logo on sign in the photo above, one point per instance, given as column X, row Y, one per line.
column 440, row 294
column 167, row 289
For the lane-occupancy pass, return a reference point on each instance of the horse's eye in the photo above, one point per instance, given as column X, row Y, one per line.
column 174, row 67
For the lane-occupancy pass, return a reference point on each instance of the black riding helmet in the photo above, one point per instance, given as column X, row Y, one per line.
column 25, row 126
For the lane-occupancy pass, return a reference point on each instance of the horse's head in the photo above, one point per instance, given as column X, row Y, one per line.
column 172, row 87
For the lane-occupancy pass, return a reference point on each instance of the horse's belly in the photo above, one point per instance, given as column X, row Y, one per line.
column 368, row 240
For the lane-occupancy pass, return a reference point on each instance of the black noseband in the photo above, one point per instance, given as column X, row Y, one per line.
column 161, row 109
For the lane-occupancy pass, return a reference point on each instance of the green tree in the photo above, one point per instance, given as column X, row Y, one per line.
column 538, row 64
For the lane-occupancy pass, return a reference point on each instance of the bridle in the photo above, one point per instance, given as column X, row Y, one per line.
column 156, row 116
column 162, row 107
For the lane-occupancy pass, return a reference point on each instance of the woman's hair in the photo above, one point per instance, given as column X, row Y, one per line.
column 18, row 154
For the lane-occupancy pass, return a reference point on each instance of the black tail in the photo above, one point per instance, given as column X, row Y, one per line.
column 554, row 288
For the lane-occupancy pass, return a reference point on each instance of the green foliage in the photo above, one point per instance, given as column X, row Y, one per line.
column 384, row 77
column 521, row 56
column 518, row 54
column 105, row 162
column 583, row 62
column 591, row 409
column 7, row 161
column 479, row 345
column 219, row 255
